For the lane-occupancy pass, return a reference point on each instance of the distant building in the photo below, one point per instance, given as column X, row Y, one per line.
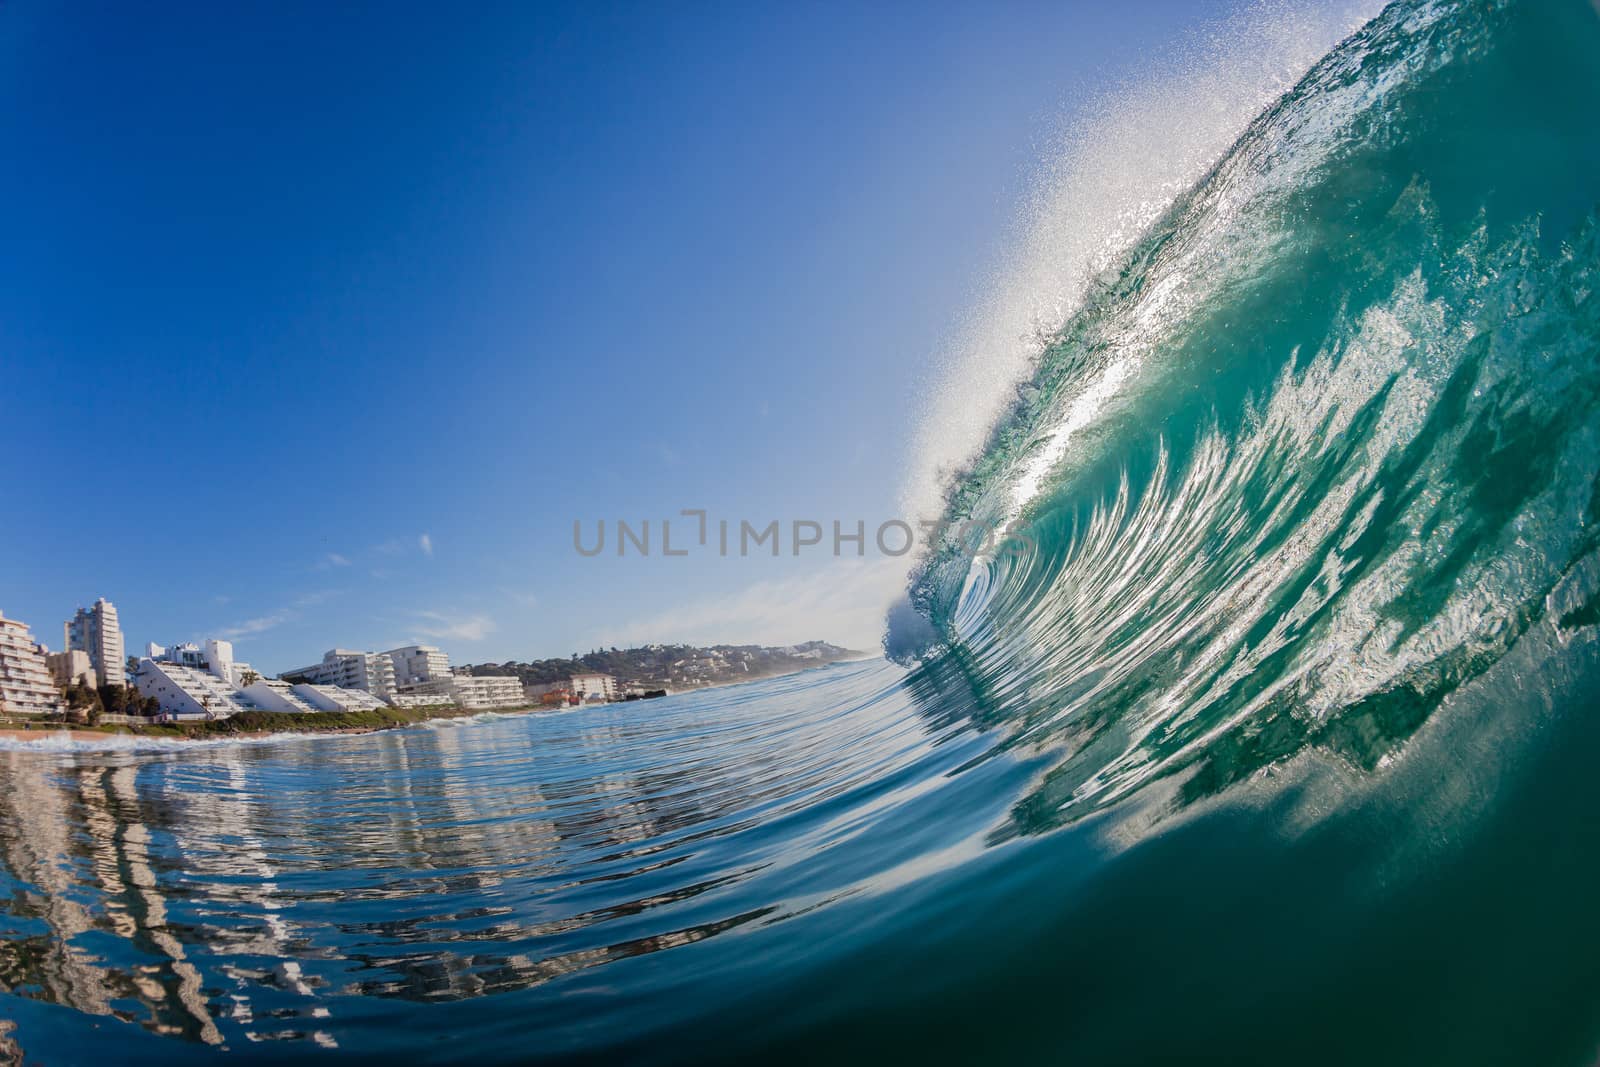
column 274, row 695
column 488, row 691
column 95, row 630
column 72, row 668
column 188, row 692
column 416, row 699
column 26, row 687
column 370, row 672
column 334, row 698
column 416, row 665
column 219, row 656
column 593, row 688
column 215, row 658
column 187, row 654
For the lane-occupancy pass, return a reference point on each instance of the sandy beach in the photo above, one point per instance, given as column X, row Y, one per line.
column 46, row 733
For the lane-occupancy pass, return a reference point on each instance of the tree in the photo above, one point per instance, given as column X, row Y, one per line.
column 250, row 678
column 114, row 699
column 83, row 703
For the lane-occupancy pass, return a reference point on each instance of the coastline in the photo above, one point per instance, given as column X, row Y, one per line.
column 730, row 682
column 89, row 735
column 251, row 725
column 51, row 731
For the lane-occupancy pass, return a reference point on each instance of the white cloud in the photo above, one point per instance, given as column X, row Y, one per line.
column 527, row 600
column 442, row 627
column 262, row 623
column 844, row 602
column 257, row 625
column 333, row 559
column 400, row 546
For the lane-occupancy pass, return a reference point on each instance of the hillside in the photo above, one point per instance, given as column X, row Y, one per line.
column 677, row 667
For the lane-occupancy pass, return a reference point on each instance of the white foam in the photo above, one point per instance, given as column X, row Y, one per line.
column 60, row 741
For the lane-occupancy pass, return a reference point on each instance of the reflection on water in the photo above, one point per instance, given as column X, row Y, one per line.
column 219, row 893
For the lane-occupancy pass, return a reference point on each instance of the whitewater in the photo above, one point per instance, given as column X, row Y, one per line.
column 1271, row 740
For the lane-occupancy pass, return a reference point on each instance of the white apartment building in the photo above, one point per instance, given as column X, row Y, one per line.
column 26, row 687
column 187, row 654
column 488, row 691
column 425, row 694
column 71, row 668
column 189, row 693
column 274, row 695
column 219, row 656
column 418, row 664
column 371, row 672
column 333, row 698
column 593, row 688
column 95, row 630
column 421, row 699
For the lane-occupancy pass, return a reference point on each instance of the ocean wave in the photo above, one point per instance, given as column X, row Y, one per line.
column 1319, row 449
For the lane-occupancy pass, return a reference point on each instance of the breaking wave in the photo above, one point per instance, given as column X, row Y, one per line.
column 1322, row 448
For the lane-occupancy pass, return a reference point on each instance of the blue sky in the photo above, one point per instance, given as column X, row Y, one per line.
column 321, row 324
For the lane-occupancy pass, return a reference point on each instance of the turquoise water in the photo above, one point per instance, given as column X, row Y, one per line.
column 1271, row 740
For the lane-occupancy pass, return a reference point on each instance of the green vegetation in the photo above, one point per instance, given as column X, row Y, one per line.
column 676, row 666
column 87, row 704
column 126, row 700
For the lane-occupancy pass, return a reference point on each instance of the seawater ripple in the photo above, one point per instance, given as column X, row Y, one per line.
column 240, row 892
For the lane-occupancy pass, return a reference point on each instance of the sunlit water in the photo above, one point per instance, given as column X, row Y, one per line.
column 835, row 866
column 355, row 892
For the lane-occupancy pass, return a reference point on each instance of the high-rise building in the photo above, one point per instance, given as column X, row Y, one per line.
column 26, row 687
column 95, row 630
